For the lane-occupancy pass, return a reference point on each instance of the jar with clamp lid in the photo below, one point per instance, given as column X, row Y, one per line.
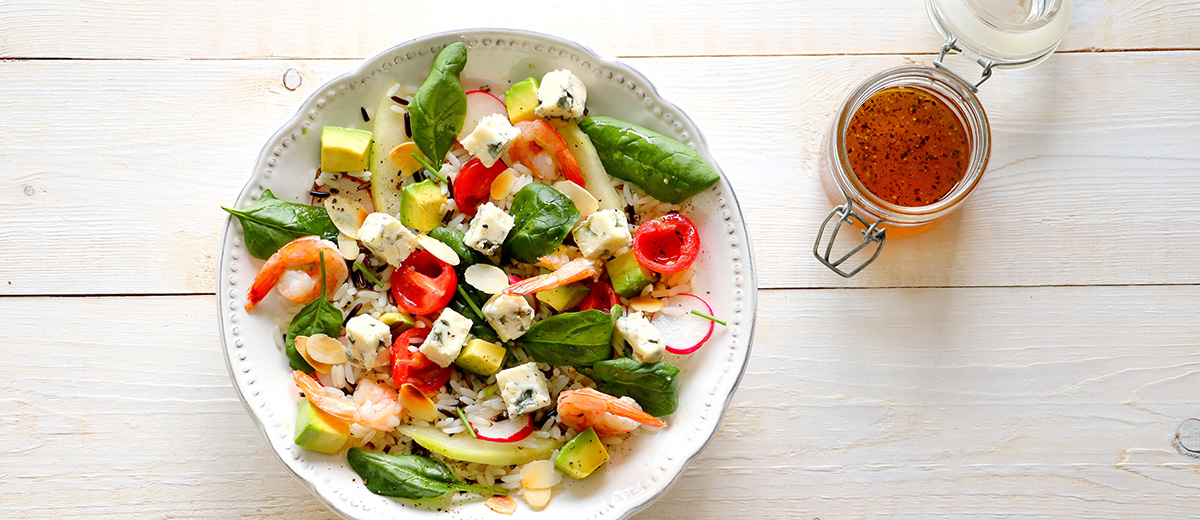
column 909, row 145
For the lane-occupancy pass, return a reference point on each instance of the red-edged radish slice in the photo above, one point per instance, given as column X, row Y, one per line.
column 683, row 331
column 479, row 105
column 511, row 430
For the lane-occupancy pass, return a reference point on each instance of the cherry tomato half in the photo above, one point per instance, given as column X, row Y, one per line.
column 601, row 298
column 414, row 367
column 667, row 244
column 473, row 185
column 423, row 284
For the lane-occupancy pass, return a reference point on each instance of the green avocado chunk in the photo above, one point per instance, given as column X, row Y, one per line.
column 481, row 357
column 422, row 206
column 319, row 432
column 582, row 455
column 628, row 276
column 521, row 99
column 344, row 149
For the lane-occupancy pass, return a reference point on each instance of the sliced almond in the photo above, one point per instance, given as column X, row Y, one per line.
column 503, row 184
column 346, row 213
column 302, row 347
column 487, row 278
column 539, row 474
column 324, row 349
column 347, row 186
column 402, row 157
column 537, row 498
column 645, row 304
column 347, row 246
column 584, row 201
column 501, row 504
column 438, row 248
column 417, row 404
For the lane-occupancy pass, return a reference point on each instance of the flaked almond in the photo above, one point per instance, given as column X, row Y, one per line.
column 501, row 504
column 417, row 404
column 503, row 184
column 324, row 349
column 402, row 157
column 347, row 246
column 645, row 304
column 487, row 278
column 584, row 201
column 438, row 249
column 302, row 347
column 537, row 498
column 347, row 214
column 539, row 474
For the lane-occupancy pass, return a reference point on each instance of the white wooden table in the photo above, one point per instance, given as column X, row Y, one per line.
column 1036, row 355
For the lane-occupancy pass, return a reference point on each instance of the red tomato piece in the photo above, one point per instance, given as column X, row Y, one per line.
column 667, row 244
column 473, row 186
column 601, row 298
column 423, row 284
column 414, row 367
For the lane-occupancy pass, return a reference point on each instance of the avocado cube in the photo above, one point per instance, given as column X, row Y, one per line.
column 422, row 206
column 582, row 455
column 565, row 297
column 318, row 431
column 521, row 99
column 628, row 276
column 481, row 357
column 345, row 149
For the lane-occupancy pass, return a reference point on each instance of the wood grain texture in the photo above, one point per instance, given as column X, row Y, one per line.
column 114, row 170
column 954, row 403
column 316, row 29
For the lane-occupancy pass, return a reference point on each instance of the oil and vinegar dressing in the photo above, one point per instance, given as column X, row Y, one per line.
column 907, row 147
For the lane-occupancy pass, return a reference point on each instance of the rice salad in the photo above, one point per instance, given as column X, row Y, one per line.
column 483, row 287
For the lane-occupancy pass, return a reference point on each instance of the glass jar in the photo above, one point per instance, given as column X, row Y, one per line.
column 994, row 33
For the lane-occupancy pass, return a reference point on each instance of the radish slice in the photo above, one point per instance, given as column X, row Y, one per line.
column 511, row 430
column 683, row 331
column 479, row 105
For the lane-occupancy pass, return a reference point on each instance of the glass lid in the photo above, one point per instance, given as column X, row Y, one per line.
column 1005, row 33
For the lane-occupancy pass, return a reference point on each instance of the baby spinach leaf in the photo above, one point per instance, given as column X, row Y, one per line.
column 655, row 386
column 318, row 317
column 664, row 168
column 578, row 339
column 542, row 217
column 480, row 328
column 271, row 223
column 411, row 477
column 439, row 109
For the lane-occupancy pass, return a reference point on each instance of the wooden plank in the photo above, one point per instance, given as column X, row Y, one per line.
column 1094, row 176
column 1055, row 403
column 315, row 29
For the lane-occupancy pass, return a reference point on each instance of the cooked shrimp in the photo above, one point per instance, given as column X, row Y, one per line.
column 541, row 149
column 589, row 408
column 572, row 271
column 295, row 269
column 372, row 405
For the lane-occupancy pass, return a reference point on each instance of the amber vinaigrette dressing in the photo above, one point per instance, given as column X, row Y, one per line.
column 907, row 147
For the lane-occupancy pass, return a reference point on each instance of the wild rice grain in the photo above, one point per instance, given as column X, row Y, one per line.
column 353, row 312
column 400, row 100
column 366, row 118
column 407, row 125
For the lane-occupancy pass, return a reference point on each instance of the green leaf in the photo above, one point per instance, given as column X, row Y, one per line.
column 271, row 223
column 578, row 339
column 439, row 109
column 664, row 168
column 542, row 218
column 411, row 477
column 655, row 386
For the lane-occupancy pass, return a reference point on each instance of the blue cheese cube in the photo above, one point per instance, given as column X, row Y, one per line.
column 509, row 314
column 367, row 336
column 523, row 389
column 447, row 338
column 641, row 335
column 561, row 95
column 603, row 234
column 488, row 229
column 387, row 238
column 490, row 138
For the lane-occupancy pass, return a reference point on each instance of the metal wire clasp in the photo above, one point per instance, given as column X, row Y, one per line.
column 952, row 45
column 872, row 234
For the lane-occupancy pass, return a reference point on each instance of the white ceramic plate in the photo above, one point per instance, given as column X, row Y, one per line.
column 646, row 466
